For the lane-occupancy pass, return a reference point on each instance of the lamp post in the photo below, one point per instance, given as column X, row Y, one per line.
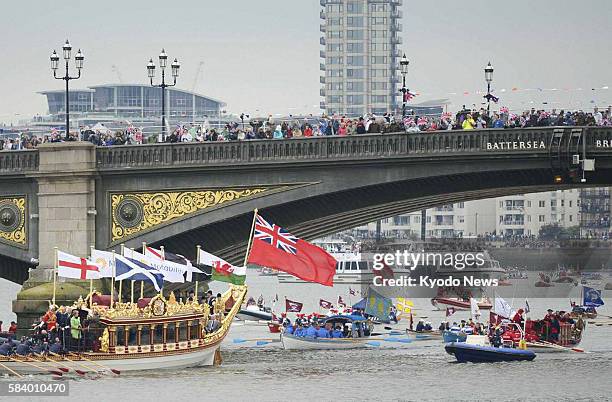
column 163, row 62
column 488, row 78
column 78, row 59
column 404, row 70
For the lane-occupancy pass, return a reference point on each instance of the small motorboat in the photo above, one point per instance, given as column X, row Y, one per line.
column 465, row 352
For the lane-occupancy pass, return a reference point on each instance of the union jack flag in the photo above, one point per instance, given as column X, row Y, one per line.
column 275, row 236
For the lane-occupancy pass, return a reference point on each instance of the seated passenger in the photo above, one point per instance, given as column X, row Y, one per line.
column 289, row 329
column 420, row 326
column 427, row 326
column 329, row 328
column 310, row 332
column 321, row 332
column 299, row 330
column 337, row 333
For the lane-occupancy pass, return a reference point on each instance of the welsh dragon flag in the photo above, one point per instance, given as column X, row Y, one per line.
column 222, row 270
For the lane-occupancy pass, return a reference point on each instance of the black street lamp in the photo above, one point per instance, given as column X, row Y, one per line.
column 488, row 78
column 78, row 59
column 163, row 62
column 404, row 70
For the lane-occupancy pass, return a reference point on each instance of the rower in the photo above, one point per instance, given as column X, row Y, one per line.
column 57, row 347
column 6, row 349
column 420, row 326
column 337, row 333
column 23, row 349
column 299, row 330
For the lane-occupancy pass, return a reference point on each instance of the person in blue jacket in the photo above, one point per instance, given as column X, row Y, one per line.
column 299, row 331
column 337, row 333
column 321, row 332
column 310, row 332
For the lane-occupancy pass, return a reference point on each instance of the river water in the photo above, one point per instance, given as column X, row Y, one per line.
column 419, row 371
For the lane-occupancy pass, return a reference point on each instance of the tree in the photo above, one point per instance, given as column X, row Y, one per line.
column 550, row 232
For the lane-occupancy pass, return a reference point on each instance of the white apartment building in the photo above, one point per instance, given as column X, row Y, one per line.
column 361, row 56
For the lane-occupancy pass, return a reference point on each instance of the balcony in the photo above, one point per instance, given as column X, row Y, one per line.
column 396, row 40
column 322, row 40
column 322, row 3
column 601, row 223
column 322, row 92
column 322, row 79
column 322, row 15
column 595, row 194
column 322, row 67
column 322, row 105
column 396, row 27
column 396, row 14
column 513, row 222
column 394, row 2
column 322, row 28
column 595, row 209
column 322, row 54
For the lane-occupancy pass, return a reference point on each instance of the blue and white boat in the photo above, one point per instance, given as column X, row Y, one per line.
column 292, row 342
column 477, row 350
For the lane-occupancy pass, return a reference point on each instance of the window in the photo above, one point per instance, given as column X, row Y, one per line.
column 334, row 73
column 354, row 47
column 354, row 99
column 335, row 60
column 354, row 60
column 570, row 204
column 335, row 8
column 379, row 33
column 417, row 219
column 378, row 7
column 334, row 86
column 335, row 99
column 571, row 218
column 354, row 7
column 528, row 218
column 335, row 34
column 379, row 99
column 334, row 21
column 354, row 73
column 356, row 86
column 378, row 72
column 553, row 203
column 428, row 220
column 379, row 47
column 379, row 59
column 379, row 86
column 461, row 218
column 562, row 203
column 542, row 204
column 378, row 20
column 354, row 34
column 334, row 47
column 540, row 218
column 354, row 21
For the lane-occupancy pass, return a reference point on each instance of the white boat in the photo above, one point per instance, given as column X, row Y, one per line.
column 165, row 334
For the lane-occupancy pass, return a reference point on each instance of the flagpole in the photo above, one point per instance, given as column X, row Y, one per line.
column 91, row 248
column 55, row 264
column 198, row 250
column 163, row 253
column 144, row 252
column 113, row 281
column 132, row 292
column 248, row 249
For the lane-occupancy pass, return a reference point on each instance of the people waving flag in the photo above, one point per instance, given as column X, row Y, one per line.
column 274, row 247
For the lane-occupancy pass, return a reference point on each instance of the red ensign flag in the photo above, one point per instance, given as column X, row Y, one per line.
column 274, row 247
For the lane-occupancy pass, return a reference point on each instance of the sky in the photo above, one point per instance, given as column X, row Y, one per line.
column 262, row 57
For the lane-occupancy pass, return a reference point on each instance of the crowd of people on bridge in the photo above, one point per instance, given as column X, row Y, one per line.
column 335, row 125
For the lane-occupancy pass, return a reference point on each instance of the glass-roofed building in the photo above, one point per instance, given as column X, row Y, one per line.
column 133, row 101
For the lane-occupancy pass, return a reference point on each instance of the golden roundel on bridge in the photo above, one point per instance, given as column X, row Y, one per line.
column 129, row 213
column 12, row 220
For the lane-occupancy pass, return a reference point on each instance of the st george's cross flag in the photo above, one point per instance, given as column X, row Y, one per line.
column 275, row 247
column 70, row 266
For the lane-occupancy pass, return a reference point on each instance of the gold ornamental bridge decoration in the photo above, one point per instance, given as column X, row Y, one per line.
column 13, row 223
column 135, row 213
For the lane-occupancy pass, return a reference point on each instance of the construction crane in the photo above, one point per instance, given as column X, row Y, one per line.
column 116, row 71
column 197, row 76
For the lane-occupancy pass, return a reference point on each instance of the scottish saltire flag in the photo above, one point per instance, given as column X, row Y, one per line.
column 171, row 271
column 377, row 305
column 133, row 270
column 275, row 235
column 591, row 297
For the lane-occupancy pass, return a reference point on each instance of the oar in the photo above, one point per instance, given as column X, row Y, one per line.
column 114, row 371
column 43, row 369
column 11, row 370
column 240, row 340
column 261, row 343
column 373, row 343
column 79, row 372
column 51, row 362
column 554, row 345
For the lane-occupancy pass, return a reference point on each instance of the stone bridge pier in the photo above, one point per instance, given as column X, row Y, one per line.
column 65, row 183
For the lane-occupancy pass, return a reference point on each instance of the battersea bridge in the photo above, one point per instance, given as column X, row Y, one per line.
column 74, row 195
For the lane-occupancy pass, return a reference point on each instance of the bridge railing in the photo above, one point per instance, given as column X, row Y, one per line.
column 368, row 146
column 18, row 161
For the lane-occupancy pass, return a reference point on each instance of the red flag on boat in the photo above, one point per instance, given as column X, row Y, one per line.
column 275, row 247
column 450, row 311
column 325, row 304
column 494, row 319
column 293, row 306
